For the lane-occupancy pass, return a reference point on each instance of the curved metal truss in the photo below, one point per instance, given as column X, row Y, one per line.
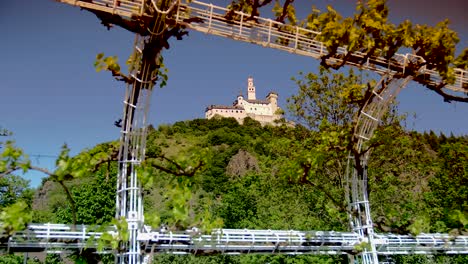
column 356, row 172
column 269, row 33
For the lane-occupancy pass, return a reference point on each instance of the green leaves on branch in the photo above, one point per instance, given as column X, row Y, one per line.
column 246, row 6
column 134, row 63
column 334, row 97
column 107, row 63
column 462, row 60
column 206, row 220
column 67, row 168
column 182, row 170
column 369, row 31
column 362, row 246
column 83, row 164
column 162, row 72
column 178, row 196
column 115, row 239
column 13, row 158
column 111, row 64
column 14, row 218
column 14, row 188
column 421, row 224
column 436, row 45
column 285, row 11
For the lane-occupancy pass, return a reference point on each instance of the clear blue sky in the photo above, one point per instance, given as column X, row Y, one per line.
column 50, row 93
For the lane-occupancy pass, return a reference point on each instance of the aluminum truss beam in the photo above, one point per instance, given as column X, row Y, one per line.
column 62, row 238
column 129, row 201
column 144, row 72
column 381, row 96
column 124, row 8
column 269, row 33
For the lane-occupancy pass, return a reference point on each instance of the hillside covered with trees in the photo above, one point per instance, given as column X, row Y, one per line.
column 217, row 173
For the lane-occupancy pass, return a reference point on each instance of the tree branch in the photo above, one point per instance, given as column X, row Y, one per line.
column 283, row 15
column 447, row 97
column 113, row 157
column 52, row 175
column 304, row 179
column 255, row 6
column 190, row 171
column 72, row 202
column 119, row 76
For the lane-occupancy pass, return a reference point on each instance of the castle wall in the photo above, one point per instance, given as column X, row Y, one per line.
column 238, row 114
column 263, row 111
column 258, row 109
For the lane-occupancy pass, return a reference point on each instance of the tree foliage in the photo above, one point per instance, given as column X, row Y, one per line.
column 67, row 168
column 369, row 32
column 330, row 97
column 14, row 188
column 298, row 184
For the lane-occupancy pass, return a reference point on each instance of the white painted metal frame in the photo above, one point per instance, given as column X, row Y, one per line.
column 129, row 203
column 269, row 33
column 133, row 142
column 356, row 188
column 61, row 238
column 124, row 8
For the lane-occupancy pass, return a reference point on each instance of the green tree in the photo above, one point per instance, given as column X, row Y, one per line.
column 67, row 168
column 330, row 97
column 449, row 188
column 399, row 172
column 370, row 33
column 94, row 198
column 14, row 188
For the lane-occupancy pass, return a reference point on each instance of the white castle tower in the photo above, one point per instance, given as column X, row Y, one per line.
column 264, row 111
column 250, row 89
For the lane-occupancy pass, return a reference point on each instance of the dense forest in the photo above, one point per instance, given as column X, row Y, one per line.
column 218, row 173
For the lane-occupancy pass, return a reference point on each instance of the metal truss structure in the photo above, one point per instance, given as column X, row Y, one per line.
column 129, row 202
column 269, row 33
column 60, row 238
column 362, row 241
column 356, row 172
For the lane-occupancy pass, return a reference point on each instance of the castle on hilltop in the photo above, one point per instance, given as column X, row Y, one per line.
column 264, row 111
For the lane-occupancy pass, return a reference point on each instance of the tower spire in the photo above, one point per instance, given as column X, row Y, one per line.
column 250, row 89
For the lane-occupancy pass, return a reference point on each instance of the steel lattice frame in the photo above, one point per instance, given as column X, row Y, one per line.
column 267, row 33
column 144, row 70
column 129, row 203
column 62, row 238
column 356, row 188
